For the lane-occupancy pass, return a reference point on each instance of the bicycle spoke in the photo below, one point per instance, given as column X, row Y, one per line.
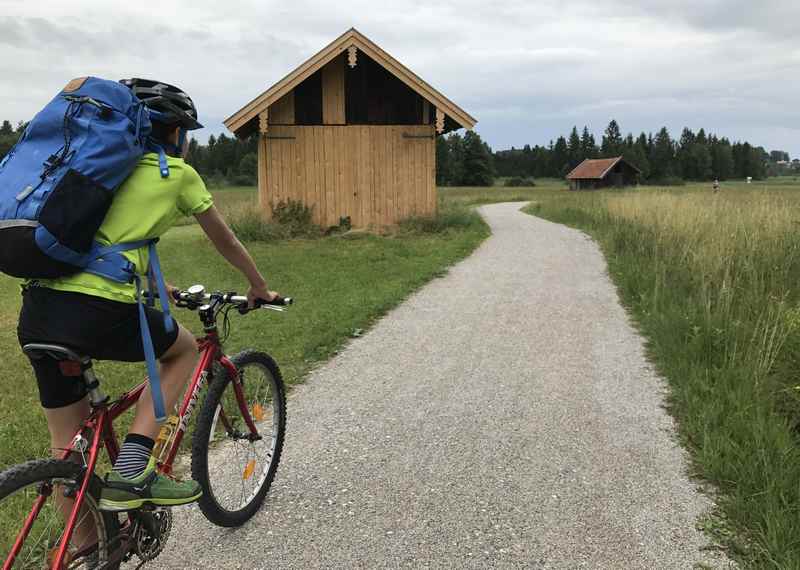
column 238, row 462
column 27, row 485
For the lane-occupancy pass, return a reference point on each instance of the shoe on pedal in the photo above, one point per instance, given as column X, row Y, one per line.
column 122, row 494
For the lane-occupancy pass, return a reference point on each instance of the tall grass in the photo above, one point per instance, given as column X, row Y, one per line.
column 712, row 282
column 449, row 217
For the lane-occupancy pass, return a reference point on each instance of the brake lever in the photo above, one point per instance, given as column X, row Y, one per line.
column 261, row 304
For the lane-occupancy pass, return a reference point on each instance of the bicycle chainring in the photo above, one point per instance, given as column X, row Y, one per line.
column 151, row 533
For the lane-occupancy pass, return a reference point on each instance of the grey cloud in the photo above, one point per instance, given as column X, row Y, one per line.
column 10, row 32
column 768, row 17
column 527, row 70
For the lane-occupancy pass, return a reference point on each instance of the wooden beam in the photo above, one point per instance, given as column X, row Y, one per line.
column 333, row 104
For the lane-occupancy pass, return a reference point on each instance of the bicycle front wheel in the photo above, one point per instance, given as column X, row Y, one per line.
column 38, row 496
column 234, row 463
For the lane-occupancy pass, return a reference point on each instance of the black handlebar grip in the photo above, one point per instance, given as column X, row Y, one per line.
column 277, row 301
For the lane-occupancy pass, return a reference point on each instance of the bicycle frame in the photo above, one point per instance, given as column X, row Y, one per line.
column 99, row 429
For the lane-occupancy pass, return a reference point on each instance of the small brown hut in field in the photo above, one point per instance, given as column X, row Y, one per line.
column 602, row 173
column 351, row 132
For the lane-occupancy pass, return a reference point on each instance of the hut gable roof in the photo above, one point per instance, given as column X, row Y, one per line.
column 352, row 37
column 596, row 168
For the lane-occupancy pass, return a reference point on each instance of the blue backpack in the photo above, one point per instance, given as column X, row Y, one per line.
column 58, row 182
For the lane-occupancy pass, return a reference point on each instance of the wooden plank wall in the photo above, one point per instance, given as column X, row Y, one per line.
column 373, row 174
column 281, row 112
column 333, row 106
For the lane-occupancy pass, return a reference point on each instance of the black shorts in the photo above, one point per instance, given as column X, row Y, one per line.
column 90, row 326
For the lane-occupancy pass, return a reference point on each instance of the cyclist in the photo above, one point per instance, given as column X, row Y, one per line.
column 98, row 317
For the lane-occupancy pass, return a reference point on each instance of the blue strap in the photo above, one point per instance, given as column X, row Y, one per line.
column 162, row 163
column 101, row 250
column 150, row 358
column 162, row 157
column 48, row 243
column 108, row 261
column 115, row 267
column 158, row 277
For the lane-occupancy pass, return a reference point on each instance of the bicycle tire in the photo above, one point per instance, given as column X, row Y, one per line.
column 33, row 475
column 211, row 502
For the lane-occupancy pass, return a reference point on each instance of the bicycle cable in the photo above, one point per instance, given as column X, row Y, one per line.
column 226, row 324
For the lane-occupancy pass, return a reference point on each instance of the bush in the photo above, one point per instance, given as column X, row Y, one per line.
column 292, row 213
column 249, row 225
column 290, row 219
column 519, row 181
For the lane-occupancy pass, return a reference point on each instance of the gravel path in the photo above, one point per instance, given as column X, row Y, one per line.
column 503, row 417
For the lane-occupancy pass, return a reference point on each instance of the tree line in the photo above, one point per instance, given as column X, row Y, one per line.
column 466, row 160
column 693, row 156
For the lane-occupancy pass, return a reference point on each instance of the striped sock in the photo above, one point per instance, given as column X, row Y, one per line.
column 134, row 455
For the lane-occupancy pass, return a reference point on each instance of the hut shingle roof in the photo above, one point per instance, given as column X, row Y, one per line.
column 595, row 168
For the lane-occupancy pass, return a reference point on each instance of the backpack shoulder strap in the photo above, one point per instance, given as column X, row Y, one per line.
column 155, row 276
column 108, row 262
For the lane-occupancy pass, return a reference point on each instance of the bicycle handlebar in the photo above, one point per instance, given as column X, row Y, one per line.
column 231, row 298
column 196, row 296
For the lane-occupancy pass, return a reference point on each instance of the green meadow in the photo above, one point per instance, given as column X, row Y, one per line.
column 709, row 279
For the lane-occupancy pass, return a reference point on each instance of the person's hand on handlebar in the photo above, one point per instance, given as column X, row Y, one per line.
column 172, row 291
column 255, row 293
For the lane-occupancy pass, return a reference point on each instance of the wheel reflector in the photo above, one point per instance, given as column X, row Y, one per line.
column 248, row 471
column 258, row 412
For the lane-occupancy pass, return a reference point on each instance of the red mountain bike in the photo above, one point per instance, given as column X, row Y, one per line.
column 236, row 447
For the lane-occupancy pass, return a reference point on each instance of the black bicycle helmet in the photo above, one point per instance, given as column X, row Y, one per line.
column 167, row 103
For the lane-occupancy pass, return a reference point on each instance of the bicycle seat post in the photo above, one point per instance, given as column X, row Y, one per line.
column 96, row 395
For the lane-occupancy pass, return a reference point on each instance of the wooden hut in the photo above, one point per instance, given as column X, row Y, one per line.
column 351, row 133
column 602, row 173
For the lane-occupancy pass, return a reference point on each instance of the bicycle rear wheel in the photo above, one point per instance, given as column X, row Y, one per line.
column 51, row 483
column 234, row 465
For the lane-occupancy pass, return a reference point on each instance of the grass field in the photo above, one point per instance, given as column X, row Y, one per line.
column 709, row 279
column 341, row 284
column 712, row 281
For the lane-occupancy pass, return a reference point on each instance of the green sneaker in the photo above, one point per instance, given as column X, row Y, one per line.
column 121, row 494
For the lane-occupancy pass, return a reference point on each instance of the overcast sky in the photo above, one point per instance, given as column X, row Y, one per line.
column 527, row 70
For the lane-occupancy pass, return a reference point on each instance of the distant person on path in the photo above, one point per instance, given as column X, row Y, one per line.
column 715, row 186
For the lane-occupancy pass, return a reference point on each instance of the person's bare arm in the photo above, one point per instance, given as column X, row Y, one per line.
column 229, row 246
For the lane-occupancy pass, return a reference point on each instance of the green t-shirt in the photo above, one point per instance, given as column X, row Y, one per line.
column 144, row 207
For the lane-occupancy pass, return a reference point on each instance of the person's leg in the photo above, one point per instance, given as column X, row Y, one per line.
column 63, row 398
column 63, row 423
column 177, row 364
column 134, row 479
